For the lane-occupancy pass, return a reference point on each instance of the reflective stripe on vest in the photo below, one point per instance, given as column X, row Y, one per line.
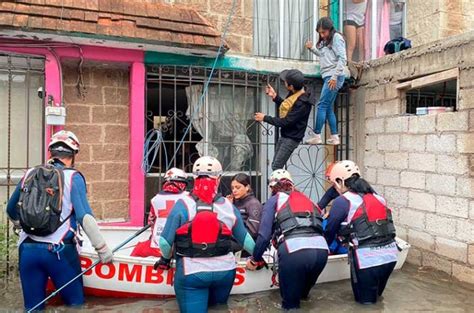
column 225, row 213
column 66, row 210
column 161, row 204
column 367, row 257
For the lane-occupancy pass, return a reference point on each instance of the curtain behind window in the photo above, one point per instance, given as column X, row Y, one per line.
column 294, row 22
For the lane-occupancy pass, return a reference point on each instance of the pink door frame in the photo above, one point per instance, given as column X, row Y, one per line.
column 135, row 59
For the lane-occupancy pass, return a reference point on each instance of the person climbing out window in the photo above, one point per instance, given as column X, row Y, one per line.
column 331, row 49
column 292, row 118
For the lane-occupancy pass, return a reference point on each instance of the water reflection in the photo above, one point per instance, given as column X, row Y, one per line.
column 412, row 289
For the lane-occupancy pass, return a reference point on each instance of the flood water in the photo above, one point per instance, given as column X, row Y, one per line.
column 412, row 289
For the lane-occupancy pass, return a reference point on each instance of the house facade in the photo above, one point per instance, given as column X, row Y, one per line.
column 131, row 76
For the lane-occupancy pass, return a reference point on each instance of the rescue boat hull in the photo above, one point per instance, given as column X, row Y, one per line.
column 133, row 277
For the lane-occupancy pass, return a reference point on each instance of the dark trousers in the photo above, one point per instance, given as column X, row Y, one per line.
column 283, row 150
column 298, row 272
column 37, row 263
column 368, row 284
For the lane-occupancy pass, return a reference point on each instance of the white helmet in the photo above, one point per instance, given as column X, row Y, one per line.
column 66, row 137
column 175, row 174
column 341, row 170
column 278, row 175
column 207, row 166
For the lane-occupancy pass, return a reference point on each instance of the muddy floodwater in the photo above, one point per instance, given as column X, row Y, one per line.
column 412, row 289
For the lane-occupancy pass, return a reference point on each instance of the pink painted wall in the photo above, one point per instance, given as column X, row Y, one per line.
column 137, row 87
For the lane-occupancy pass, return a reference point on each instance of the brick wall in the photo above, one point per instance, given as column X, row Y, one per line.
column 423, row 165
column 100, row 120
column 439, row 19
column 239, row 36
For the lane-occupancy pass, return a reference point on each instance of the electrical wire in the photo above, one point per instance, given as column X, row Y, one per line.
column 206, row 85
column 151, row 148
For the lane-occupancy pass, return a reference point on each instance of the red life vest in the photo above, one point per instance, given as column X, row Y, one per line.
column 371, row 224
column 204, row 236
column 297, row 216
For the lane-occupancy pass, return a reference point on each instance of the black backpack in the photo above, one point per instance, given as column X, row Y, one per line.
column 40, row 202
column 397, row 45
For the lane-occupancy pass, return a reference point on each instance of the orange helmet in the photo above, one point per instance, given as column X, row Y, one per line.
column 341, row 170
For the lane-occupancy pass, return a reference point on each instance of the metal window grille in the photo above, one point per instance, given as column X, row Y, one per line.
column 21, row 137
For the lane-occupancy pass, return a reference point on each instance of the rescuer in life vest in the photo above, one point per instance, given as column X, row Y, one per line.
column 295, row 224
column 362, row 218
column 200, row 234
column 174, row 189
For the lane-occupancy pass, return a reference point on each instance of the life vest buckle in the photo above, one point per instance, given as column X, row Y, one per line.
column 204, row 246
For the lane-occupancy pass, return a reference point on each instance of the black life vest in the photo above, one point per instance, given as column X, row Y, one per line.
column 205, row 235
column 371, row 224
column 298, row 216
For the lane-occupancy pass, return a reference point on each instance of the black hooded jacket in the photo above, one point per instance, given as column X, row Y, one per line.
column 293, row 126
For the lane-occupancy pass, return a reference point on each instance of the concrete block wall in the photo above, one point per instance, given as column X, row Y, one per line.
column 101, row 122
column 423, row 165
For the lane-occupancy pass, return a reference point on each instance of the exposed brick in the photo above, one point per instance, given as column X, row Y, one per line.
column 374, row 126
column 110, row 115
column 451, row 249
column 454, row 206
column 396, row 196
column 93, row 95
column 116, row 209
column 116, row 171
column 422, row 162
column 388, row 177
column 471, row 210
column 77, row 114
column 421, row 201
column 470, row 254
column 397, row 124
column 370, row 143
column 435, row 261
column 391, row 91
column 109, row 152
column 369, row 109
column 465, row 143
column 84, row 154
column 458, row 164
column 466, row 98
column 412, row 218
column 93, row 172
column 440, row 184
column 374, row 159
column 387, row 108
column 402, row 232
column 87, row 133
column 441, row 225
column 370, row 175
column 396, row 160
column 412, row 180
column 465, row 187
column 109, row 77
column 110, row 190
column 388, row 142
column 465, row 230
column 455, row 121
column 116, row 96
column 422, row 124
column 463, row 273
column 374, row 94
column 421, row 240
column 415, row 143
column 441, row 143
column 116, row 134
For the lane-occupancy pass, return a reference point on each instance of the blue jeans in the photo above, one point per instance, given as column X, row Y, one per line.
column 37, row 263
column 326, row 106
column 196, row 292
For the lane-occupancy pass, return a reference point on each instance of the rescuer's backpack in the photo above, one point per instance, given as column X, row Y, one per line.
column 40, row 203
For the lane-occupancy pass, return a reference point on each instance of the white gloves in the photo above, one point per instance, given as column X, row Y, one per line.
column 91, row 228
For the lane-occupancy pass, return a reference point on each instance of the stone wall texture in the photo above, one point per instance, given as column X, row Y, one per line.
column 423, row 165
column 431, row 20
column 101, row 121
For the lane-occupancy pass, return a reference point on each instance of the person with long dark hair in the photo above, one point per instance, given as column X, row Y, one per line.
column 361, row 217
column 245, row 201
column 294, row 225
column 331, row 50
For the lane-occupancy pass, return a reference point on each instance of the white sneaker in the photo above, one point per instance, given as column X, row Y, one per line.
column 316, row 140
column 334, row 140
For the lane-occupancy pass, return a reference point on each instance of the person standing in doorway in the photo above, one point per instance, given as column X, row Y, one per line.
column 292, row 118
column 331, row 50
column 354, row 30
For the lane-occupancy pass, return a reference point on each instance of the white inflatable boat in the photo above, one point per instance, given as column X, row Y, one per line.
column 135, row 277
